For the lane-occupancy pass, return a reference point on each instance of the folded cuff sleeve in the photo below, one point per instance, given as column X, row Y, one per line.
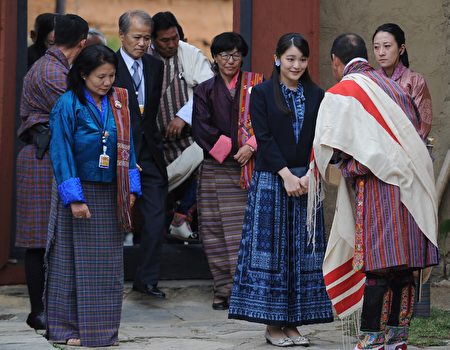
column 252, row 143
column 71, row 191
column 221, row 148
column 135, row 182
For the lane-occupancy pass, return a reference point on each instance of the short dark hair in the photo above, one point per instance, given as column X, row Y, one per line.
column 70, row 30
column 228, row 41
column 399, row 36
column 348, row 46
column 164, row 21
column 88, row 60
column 125, row 19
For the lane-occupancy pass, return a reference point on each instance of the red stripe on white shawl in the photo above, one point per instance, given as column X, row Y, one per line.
column 352, row 89
column 345, row 288
column 349, row 282
column 351, row 301
column 338, row 272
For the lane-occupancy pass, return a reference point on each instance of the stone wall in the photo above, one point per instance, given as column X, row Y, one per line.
column 426, row 24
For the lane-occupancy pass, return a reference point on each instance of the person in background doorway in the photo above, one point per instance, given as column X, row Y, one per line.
column 185, row 66
column 44, row 83
column 95, row 37
column 43, row 37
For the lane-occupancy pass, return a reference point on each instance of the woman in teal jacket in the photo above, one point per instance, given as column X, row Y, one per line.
column 97, row 181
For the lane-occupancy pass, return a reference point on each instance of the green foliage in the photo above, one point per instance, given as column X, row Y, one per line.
column 113, row 43
column 432, row 331
column 444, row 230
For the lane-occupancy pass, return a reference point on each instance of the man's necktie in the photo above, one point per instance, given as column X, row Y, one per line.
column 137, row 81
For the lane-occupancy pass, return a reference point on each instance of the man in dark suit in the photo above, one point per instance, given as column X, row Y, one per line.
column 142, row 75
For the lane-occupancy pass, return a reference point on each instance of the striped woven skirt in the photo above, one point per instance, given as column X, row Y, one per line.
column 34, row 187
column 221, row 206
column 84, row 258
column 279, row 278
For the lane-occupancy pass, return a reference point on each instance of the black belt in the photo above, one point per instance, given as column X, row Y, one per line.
column 41, row 138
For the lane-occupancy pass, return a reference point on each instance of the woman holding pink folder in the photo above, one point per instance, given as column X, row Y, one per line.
column 221, row 126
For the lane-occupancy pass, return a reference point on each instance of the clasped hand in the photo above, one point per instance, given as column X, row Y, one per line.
column 243, row 155
column 295, row 186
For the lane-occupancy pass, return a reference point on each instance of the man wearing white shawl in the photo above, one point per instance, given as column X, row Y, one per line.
column 385, row 224
column 185, row 66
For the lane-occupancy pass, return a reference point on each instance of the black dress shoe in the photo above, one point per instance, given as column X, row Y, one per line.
column 223, row 305
column 38, row 321
column 149, row 289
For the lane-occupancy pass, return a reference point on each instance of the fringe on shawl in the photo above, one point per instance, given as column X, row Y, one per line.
column 350, row 326
column 316, row 195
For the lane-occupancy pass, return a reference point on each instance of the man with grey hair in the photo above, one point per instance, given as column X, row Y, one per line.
column 142, row 75
column 95, row 37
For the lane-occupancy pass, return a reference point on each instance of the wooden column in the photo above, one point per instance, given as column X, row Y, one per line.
column 8, row 58
column 269, row 20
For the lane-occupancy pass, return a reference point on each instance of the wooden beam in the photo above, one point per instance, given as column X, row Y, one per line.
column 8, row 38
column 12, row 274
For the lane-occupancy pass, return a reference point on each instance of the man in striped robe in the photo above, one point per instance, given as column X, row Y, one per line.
column 185, row 66
column 381, row 232
column 44, row 83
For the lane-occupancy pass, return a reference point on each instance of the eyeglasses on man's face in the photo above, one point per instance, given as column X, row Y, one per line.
column 236, row 56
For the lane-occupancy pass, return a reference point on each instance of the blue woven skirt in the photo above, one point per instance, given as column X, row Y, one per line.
column 84, row 284
column 278, row 279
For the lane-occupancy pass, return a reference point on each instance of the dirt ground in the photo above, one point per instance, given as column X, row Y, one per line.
column 201, row 19
column 440, row 295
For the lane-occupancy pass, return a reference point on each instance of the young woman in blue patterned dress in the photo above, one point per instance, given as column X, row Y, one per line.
column 278, row 278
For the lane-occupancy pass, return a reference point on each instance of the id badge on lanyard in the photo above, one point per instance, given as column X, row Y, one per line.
column 103, row 160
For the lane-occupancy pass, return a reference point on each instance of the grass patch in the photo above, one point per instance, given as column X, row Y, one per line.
column 432, row 331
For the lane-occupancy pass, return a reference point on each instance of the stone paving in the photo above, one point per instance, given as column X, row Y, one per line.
column 184, row 320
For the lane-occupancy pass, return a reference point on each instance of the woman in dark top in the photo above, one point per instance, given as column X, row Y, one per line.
column 221, row 126
column 279, row 279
